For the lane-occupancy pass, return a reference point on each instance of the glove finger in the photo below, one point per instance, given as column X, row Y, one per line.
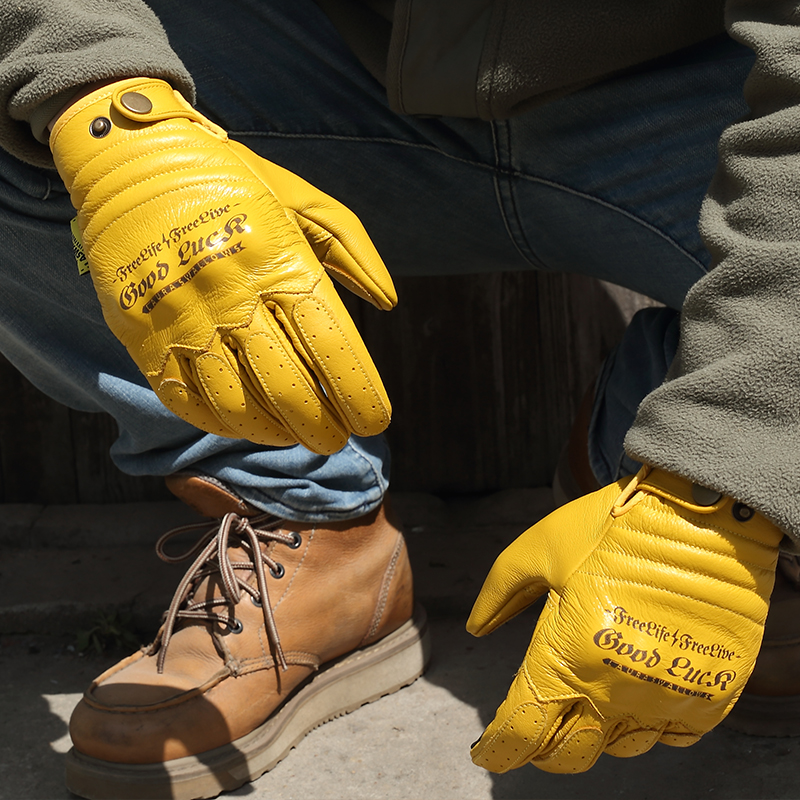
column 541, row 557
column 516, row 731
column 559, row 735
column 322, row 329
column 238, row 409
column 176, row 388
column 293, row 397
column 190, row 407
column 510, row 587
column 577, row 752
column 676, row 734
column 350, row 261
column 632, row 742
column 286, row 386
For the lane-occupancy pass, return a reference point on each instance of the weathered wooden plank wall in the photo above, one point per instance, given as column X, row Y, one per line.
column 484, row 373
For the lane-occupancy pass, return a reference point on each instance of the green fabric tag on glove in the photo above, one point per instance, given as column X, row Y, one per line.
column 77, row 247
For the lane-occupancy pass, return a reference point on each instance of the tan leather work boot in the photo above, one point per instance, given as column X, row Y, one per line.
column 276, row 628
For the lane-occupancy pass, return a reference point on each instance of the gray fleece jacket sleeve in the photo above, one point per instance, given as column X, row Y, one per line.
column 51, row 48
column 728, row 415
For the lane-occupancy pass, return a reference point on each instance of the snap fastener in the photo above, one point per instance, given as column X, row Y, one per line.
column 100, row 127
column 136, row 103
column 742, row 512
column 704, row 496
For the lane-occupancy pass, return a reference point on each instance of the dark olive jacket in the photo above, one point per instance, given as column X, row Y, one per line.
column 492, row 60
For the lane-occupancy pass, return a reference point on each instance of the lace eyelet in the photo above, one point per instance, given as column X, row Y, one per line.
column 237, row 626
column 297, row 540
column 278, row 572
column 255, row 601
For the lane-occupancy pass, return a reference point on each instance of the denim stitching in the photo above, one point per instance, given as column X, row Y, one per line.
column 501, row 206
column 617, row 209
column 495, row 168
column 368, row 139
column 508, row 203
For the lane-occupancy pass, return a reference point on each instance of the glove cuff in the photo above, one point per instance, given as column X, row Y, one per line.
column 698, row 500
column 130, row 104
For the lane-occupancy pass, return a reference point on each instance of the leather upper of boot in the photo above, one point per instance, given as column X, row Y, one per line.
column 331, row 587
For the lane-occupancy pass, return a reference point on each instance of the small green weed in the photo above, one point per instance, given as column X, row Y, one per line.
column 112, row 630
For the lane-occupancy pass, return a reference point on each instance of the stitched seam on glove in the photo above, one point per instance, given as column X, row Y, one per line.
column 255, row 406
column 658, row 562
column 356, row 359
column 702, row 524
column 349, row 278
column 120, row 143
column 169, row 382
column 534, row 741
column 609, row 579
column 299, row 377
column 150, row 199
column 272, row 294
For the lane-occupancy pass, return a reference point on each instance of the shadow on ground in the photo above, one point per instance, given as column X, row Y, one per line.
column 724, row 764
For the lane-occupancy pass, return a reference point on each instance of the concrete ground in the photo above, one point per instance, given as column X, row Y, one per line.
column 61, row 567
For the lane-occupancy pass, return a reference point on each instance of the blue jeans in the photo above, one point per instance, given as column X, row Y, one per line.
column 607, row 182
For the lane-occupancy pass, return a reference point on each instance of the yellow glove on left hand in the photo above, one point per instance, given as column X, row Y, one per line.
column 652, row 625
column 212, row 268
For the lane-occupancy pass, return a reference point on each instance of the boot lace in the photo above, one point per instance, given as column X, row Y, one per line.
column 212, row 557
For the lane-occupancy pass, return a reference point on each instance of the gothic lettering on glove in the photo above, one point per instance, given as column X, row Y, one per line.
column 174, row 236
column 133, row 292
column 187, row 276
column 680, row 667
column 190, row 249
column 683, row 641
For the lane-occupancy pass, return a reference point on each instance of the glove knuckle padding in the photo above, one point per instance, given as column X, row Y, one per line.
column 650, row 630
column 199, row 249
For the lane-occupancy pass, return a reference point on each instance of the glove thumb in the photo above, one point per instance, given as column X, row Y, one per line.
column 333, row 232
column 542, row 558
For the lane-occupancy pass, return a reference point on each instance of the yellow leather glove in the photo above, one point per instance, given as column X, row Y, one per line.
column 211, row 266
column 652, row 626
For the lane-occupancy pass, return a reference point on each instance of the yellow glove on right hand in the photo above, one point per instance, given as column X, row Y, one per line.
column 211, row 266
column 651, row 628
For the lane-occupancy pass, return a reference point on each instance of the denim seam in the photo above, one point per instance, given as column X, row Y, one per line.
column 369, row 139
column 649, row 226
column 496, row 168
column 506, row 202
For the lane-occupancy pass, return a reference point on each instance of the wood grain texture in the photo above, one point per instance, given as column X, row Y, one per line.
column 484, row 373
